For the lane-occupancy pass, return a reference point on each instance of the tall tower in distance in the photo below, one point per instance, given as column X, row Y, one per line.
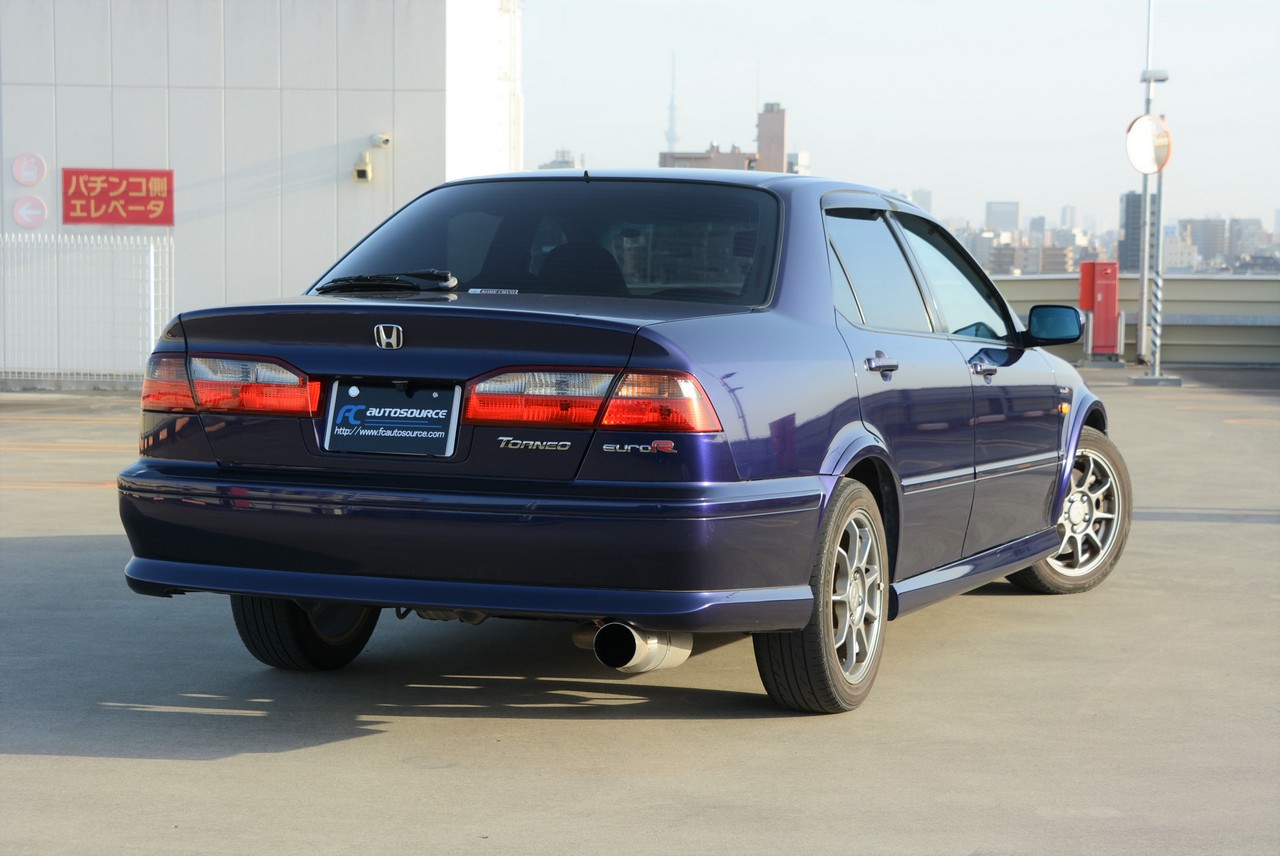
column 672, row 136
column 771, row 139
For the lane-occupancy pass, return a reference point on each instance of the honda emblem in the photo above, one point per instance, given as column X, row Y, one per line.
column 388, row 336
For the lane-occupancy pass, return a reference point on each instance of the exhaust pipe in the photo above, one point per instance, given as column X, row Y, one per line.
column 623, row 647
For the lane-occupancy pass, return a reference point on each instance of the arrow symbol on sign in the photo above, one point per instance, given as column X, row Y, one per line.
column 29, row 212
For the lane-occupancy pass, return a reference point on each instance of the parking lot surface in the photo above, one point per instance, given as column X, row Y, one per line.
column 1141, row 717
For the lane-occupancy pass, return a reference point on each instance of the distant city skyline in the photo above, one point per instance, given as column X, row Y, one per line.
column 990, row 100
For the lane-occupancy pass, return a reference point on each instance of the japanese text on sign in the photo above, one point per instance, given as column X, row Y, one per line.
column 136, row 197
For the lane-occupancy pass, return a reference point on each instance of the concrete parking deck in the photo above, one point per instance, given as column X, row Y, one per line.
column 1141, row 717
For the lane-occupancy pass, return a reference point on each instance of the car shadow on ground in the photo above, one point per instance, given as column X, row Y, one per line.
column 120, row 675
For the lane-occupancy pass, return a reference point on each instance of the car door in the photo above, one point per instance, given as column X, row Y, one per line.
column 914, row 393
column 1017, row 423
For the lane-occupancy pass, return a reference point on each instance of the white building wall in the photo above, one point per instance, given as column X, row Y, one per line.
column 261, row 108
column 484, row 110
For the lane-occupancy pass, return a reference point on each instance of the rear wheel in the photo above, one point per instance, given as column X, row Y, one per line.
column 310, row 637
column 1094, row 524
column 830, row 664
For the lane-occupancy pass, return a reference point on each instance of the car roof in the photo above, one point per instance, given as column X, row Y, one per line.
column 784, row 184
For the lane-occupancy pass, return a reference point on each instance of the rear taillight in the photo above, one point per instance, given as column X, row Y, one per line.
column 230, row 385
column 175, row 384
column 553, row 399
column 660, row 401
column 549, row 398
column 165, row 387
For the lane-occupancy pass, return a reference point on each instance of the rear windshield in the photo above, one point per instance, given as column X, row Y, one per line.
column 627, row 239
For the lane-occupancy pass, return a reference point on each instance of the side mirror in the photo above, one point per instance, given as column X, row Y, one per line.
column 1053, row 325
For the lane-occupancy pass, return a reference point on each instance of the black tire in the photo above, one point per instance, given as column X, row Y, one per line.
column 1094, row 524
column 830, row 664
column 284, row 634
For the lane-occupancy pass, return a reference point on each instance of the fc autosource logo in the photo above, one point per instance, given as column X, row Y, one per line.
column 389, row 337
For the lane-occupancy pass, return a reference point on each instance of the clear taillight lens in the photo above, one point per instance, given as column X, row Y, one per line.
column 165, row 386
column 229, row 385
column 642, row 401
column 553, row 399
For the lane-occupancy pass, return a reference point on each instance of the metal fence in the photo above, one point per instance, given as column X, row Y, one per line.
column 1224, row 319
column 81, row 309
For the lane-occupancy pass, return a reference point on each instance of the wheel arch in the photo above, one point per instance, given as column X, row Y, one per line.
column 872, row 469
column 1088, row 412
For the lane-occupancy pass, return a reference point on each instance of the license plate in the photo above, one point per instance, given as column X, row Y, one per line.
column 392, row 420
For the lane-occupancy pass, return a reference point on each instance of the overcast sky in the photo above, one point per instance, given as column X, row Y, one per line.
column 975, row 100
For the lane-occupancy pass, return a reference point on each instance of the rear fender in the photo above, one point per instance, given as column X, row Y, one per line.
column 859, row 454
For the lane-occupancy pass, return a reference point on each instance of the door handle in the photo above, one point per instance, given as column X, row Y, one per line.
column 982, row 368
column 886, row 365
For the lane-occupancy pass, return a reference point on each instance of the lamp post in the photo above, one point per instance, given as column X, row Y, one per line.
column 1147, row 145
column 1149, row 78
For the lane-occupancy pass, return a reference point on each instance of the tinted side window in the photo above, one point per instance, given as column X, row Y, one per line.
column 969, row 306
column 871, row 259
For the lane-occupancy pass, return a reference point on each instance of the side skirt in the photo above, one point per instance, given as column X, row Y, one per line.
column 923, row 589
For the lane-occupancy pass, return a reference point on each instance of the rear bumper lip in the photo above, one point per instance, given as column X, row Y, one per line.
column 204, row 483
column 744, row 610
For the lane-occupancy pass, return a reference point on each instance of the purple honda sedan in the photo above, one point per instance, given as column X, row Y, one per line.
column 649, row 405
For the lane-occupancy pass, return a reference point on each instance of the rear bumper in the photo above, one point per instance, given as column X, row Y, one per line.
column 779, row 608
column 728, row 557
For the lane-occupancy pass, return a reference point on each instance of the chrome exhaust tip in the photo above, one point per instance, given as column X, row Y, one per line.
column 628, row 649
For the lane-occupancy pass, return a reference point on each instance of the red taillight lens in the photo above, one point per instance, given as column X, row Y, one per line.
column 660, row 401
column 552, row 399
column 165, row 387
column 228, row 385
column 642, row 401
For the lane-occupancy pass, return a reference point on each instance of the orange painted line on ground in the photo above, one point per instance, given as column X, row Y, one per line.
column 53, row 481
column 92, row 450
column 1251, row 421
column 79, row 420
column 1232, row 409
column 18, row 445
column 103, row 486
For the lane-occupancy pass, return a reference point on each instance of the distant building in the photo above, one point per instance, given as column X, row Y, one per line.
column 1036, row 232
column 1026, row 261
column 798, row 163
column 1245, row 237
column 1068, row 218
column 1057, row 260
column 980, row 245
column 564, row 159
column 1002, row 216
column 923, row 199
column 1065, row 237
column 1129, row 247
column 712, row 158
column 1209, row 237
column 1179, row 255
column 771, row 137
column 1003, row 259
